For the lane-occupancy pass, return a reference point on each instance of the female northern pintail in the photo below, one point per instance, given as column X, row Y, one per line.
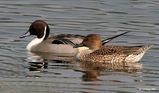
column 53, row 43
column 92, row 50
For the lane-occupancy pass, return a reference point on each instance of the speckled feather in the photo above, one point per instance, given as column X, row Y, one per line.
column 114, row 54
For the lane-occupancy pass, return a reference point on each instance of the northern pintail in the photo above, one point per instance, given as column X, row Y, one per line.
column 53, row 43
column 91, row 49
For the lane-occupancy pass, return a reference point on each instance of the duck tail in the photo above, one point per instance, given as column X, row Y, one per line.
column 146, row 47
column 136, row 56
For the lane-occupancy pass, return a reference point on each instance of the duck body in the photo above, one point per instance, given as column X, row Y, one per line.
column 54, row 45
column 92, row 50
column 114, row 54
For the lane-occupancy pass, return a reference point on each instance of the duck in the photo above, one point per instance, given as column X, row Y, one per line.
column 92, row 50
column 58, row 44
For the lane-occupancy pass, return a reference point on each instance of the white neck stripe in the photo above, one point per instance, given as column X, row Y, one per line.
column 44, row 33
column 35, row 42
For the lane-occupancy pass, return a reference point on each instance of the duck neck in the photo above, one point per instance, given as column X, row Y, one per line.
column 82, row 51
column 46, row 32
column 35, row 42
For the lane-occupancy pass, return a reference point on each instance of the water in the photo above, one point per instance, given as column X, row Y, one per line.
column 20, row 73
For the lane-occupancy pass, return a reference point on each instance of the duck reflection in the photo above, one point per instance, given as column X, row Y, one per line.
column 37, row 66
column 91, row 75
column 41, row 56
column 39, row 61
column 91, row 70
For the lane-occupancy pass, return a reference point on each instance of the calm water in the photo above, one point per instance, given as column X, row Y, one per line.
column 21, row 72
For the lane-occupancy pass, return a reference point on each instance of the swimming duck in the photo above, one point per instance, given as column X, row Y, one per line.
column 91, row 49
column 54, row 43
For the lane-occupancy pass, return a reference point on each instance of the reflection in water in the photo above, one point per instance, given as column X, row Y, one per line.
column 91, row 71
column 40, row 57
column 39, row 61
column 38, row 66
column 90, row 75
column 125, row 67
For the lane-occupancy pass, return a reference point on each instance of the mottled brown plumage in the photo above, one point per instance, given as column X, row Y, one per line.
column 115, row 54
column 95, row 52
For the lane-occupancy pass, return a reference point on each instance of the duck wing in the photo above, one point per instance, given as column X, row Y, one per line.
column 126, row 50
column 65, row 39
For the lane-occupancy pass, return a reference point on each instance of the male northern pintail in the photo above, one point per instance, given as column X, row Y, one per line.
column 92, row 50
column 53, row 43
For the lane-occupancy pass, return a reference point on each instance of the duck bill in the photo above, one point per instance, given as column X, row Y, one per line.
column 25, row 35
column 78, row 45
